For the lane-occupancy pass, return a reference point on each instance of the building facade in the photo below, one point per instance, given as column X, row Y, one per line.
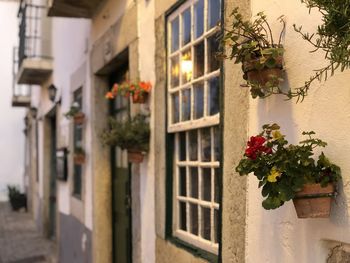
column 184, row 202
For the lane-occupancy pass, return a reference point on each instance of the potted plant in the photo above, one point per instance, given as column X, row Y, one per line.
column 132, row 134
column 253, row 45
column 16, row 198
column 286, row 171
column 79, row 156
column 332, row 37
column 75, row 113
column 138, row 91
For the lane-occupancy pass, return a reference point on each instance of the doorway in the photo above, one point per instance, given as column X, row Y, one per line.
column 52, row 177
column 121, row 179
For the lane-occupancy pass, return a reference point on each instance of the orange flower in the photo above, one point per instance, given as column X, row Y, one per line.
column 146, row 86
column 109, row 95
column 127, row 94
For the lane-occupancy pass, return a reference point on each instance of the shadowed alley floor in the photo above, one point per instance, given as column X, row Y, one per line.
column 19, row 240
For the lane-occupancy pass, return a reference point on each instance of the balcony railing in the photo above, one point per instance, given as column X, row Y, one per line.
column 34, row 52
column 21, row 94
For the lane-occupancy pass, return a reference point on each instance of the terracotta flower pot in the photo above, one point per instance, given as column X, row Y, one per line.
column 264, row 75
column 79, row 158
column 314, row 201
column 79, row 118
column 140, row 98
column 135, row 156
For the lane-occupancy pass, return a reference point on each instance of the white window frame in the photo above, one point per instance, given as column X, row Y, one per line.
column 186, row 126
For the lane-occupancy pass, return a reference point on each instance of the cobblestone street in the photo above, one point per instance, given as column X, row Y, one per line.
column 19, row 240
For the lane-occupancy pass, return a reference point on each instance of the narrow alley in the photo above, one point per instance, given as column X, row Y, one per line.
column 19, row 240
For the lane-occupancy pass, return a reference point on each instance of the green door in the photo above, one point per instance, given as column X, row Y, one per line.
column 52, row 195
column 121, row 185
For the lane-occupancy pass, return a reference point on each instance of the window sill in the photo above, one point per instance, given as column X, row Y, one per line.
column 193, row 250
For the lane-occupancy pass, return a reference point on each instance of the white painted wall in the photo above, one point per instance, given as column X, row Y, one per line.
column 70, row 49
column 278, row 236
column 11, row 119
column 146, row 47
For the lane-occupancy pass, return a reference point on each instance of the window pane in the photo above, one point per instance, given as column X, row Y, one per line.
column 182, row 181
column 193, row 139
column 186, row 105
column 213, row 48
column 213, row 13
column 199, row 60
column 194, row 219
column 175, row 34
column 216, row 186
column 186, row 26
column 186, row 66
column 216, row 226
column 175, row 72
column 206, row 223
column 206, row 145
column 182, row 146
column 182, row 216
column 198, row 18
column 216, row 143
column 206, row 184
column 198, row 108
column 213, row 96
column 194, row 182
column 176, row 113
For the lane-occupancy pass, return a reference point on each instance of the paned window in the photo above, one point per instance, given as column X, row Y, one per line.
column 193, row 119
column 78, row 143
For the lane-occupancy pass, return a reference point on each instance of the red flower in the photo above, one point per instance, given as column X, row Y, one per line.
column 256, row 146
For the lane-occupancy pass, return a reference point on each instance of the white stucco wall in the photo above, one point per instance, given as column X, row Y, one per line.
column 11, row 119
column 147, row 73
column 70, row 52
column 278, row 236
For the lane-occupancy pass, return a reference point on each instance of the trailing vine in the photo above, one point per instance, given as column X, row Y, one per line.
column 332, row 37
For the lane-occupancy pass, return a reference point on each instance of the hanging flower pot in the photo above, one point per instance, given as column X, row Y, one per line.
column 264, row 76
column 140, row 98
column 79, row 118
column 137, row 90
column 79, row 158
column 135, row 156
column 314, row 201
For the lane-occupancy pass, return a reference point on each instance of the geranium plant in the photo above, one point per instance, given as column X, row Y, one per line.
column 284, row 169
column 252, row 44
column 138, row 91
column 332, row 37
column 73, row 110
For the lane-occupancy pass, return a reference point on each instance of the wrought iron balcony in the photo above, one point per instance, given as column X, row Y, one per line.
column 34, row 60
column 21, row 94
column 73, row 8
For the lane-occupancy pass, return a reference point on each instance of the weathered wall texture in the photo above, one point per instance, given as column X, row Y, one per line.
column 278, row 234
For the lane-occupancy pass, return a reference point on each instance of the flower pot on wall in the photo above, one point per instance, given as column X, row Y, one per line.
column 265, row 76
column 135, row 156
column 140, row 98
column 79, row 158
column 314, row 201
column 79, row 118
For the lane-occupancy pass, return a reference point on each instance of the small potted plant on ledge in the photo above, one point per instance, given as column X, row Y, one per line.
column 286, row 171
column 253, row 45
column 132, row 134
column 75, row 113
column 16, row 198
column 138, row 91
column 79, row 156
